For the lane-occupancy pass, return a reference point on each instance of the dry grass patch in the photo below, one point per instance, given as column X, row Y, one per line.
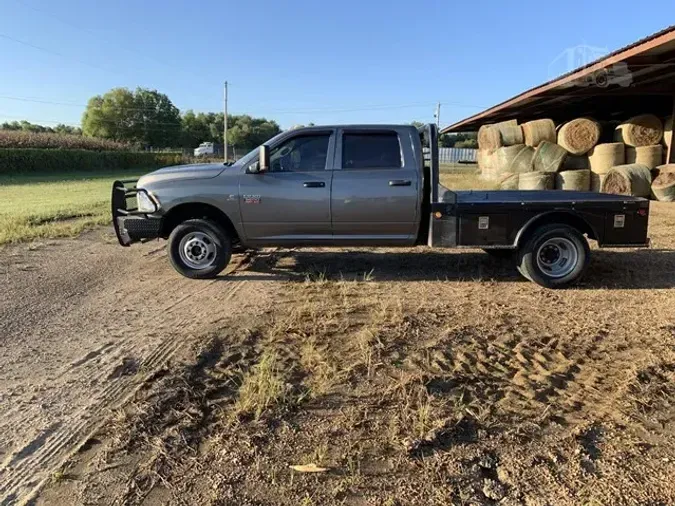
column 411, row 388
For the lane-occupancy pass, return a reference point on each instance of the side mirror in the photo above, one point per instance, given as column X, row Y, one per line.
column 264, row 158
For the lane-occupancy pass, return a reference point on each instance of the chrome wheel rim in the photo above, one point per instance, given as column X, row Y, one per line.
column 557, row 257
column 197, row 250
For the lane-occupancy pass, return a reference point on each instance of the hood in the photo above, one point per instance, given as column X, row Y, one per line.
column 181, row 172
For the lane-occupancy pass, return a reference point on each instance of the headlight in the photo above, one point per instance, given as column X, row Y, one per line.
column 145, row 203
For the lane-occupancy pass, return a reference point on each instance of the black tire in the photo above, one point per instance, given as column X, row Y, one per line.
column 210, row 234
column 501, row 254
column 547, row 249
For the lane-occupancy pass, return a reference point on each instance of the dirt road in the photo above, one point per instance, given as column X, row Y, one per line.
column 411, row 376
column 83, row 323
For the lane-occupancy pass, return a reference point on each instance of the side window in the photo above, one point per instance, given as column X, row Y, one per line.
column 371, row 150
column 300, row 154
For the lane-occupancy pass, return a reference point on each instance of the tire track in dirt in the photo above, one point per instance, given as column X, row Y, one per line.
column 524, row 376
column 161, row 330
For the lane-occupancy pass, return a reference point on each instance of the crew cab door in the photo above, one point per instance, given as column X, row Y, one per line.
column 376, row 187
column 291, row 201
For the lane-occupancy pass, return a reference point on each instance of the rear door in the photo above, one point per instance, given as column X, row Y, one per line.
column 291, row 201
column 376, row 185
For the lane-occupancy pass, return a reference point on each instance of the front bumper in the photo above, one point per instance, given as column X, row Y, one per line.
column 131, row 225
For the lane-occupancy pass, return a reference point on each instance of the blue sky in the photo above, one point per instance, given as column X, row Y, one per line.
column 369, row 61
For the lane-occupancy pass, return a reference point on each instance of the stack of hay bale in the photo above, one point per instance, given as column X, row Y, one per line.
column 536, row 156
column 498, row 145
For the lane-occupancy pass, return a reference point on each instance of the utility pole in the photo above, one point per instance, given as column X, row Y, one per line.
column 438, row 115
column 225, row 121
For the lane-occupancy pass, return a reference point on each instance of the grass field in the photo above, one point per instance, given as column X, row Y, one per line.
column 63, row 205
column 46, row 206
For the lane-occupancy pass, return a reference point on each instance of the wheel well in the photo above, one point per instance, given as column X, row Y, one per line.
column 189, row 211
column 563, row 218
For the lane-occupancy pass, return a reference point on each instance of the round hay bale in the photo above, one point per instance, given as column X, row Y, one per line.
column 666, row 167
column 504, row 156
column 651, row 156
column 489, row 138
column 605, row 156
column 522, row 162
column 539, row 130
column 484, row 159
column 579, row 135
column 490, row 174
column 508, row 181
column 579, row 180
column 663, row 187
column 510, row 132
column 536, row 181
column 643, row 130
column 548, row 157
column 633, row 179
column 596, row 181
column 574, row 162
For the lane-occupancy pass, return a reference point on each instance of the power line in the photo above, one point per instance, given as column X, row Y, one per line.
column 46, row 50
column 89, row 30
column 271, row 111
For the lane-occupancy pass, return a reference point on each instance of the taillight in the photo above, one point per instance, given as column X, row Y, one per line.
column 642, row 212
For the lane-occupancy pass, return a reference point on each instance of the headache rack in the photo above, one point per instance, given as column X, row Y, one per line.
column 438, row 216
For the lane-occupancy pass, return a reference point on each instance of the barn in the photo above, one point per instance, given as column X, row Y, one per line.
column 636, row 80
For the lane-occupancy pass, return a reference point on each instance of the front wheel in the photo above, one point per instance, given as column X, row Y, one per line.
column 555, row 256
column 199, row 249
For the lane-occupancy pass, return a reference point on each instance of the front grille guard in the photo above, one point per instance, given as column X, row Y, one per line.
column 124, row 204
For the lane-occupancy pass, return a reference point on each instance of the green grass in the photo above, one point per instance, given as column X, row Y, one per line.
column 39, row 206
column 46, row 206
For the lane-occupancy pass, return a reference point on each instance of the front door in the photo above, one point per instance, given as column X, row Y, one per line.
column 291, row 201
column 376, row 186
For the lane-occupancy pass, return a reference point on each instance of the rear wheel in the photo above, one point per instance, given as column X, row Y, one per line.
column 199, row 249
column 555, row 256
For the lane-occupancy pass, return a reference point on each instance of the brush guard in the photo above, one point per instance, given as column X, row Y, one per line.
column 131, row 225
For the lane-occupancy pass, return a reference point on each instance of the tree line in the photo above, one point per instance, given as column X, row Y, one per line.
column 27, row 126
column 148, row 118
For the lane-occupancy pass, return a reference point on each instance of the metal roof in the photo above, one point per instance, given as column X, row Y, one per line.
column 637, row 78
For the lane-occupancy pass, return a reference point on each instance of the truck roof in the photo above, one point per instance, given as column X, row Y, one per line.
column 365, row 126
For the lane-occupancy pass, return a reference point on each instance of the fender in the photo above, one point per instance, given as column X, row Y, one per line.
column 572, row 218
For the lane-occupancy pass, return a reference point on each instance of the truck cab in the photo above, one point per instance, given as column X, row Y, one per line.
column 363, row 185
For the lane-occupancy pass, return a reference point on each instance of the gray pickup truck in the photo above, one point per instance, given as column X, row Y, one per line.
column 364, row 185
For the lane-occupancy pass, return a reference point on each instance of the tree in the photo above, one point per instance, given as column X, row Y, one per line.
column 27, row 126
column 144, row 116
column 67, row 129
column 244, row 132
column 462, row 140
column 158, row 121
column 248, row 132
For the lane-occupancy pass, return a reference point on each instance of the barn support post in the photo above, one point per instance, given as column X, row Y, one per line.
column 670, row 155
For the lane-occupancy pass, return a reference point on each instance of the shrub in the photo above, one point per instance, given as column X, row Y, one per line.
column 24, row 161
column 25, row 139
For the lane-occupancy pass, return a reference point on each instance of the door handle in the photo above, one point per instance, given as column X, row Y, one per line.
column 314, row 184
column 400, row 182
